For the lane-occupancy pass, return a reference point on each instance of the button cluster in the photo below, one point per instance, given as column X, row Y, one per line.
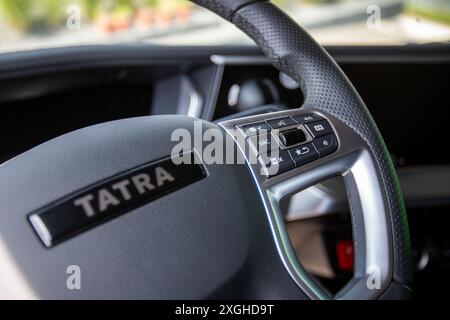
column 295, row 149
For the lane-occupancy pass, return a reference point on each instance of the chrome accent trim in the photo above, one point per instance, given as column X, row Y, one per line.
column 352, row 161
column 195, row 104
column 252, row 59
column 231, row 60
column 423, row 261
column 41, row 229
column 210, row 106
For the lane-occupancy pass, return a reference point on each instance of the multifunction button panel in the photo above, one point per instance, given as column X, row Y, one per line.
column 284, row 143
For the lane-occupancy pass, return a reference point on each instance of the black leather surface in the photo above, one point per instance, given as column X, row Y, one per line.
column 327, row 89
column 225, row 8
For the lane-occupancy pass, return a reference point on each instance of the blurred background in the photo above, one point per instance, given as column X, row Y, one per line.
column 30, row 24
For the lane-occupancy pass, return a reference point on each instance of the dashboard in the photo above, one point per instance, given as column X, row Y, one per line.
column 46, row 93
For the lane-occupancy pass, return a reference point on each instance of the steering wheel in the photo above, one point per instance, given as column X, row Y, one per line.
column 110, row 205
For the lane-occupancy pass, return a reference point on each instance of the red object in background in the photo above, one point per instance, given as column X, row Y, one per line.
column 344, row 253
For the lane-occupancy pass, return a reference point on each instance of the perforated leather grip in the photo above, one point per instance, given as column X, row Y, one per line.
column 326, row 88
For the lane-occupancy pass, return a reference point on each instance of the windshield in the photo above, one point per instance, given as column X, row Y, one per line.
column 31, row 24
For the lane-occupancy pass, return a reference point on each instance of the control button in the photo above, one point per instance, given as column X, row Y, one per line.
column 319, row 129
column 281, row 122
column 263, row 143
column 304, row 154
column 307, row 118
column 292, row 137
column 255, row 128
column 277, row 163
column 326, row 145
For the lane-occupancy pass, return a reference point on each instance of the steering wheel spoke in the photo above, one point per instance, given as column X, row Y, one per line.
column 319, row 156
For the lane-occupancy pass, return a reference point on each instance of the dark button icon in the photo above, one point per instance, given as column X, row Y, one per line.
column 281, row 122
column 277, row 163
column 303, row 154
column 263, row 143
column 326, row 145
column 307, row 118
column 319, row 129
column 255, row 128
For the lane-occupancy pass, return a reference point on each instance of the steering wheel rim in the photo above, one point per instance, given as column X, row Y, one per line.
column 42, row 174
column 326, row 88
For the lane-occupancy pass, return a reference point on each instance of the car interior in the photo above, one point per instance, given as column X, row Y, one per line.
column 76, row 118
